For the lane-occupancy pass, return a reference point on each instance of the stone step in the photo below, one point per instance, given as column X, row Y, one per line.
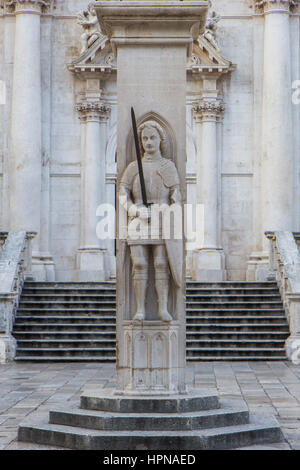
column 230, row 414
column 96, row 343
column 64, row 327
column 234, row 352
column 215, row 298
column 232, row 343
column 224, row 328
column 260, row 429
column 210, row 319
column 228, row 358
column 68, row 290
column 230, row 284
column 236, row 335
column 234, row 305
column 65, row 352
column 65, row 304
column 65, row 335
column 69, row 297
column 239, row 312
column 28, row 312
column 66, row 343
column 231, row 290
column 99, row 358
column 69, row 285
column 27, row 320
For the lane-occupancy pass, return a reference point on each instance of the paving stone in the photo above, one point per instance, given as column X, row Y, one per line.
column 267, row 387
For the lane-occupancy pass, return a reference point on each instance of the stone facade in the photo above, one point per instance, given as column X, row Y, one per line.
column 58, row 136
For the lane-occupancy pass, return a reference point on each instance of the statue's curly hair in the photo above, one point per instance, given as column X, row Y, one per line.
column 159, row 129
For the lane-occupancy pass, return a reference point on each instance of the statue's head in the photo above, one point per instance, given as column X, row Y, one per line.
column 91, row 9
column 152, row 138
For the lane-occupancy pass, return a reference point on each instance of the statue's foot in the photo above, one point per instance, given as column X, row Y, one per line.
column 139, row 316
column 165, row 316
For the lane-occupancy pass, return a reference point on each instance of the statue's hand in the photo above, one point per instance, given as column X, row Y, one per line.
column 144, row 212
column 132, row 211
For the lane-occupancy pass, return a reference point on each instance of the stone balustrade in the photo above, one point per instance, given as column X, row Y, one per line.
column 15, row 266
column 284, row 265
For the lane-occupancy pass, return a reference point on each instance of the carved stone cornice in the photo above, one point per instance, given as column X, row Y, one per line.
column 206, row 110
column 269, row 5
column 93, row 111
column 34, row 6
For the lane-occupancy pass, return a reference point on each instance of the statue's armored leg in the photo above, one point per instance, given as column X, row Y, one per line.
column 139, row 257
column 162, row 277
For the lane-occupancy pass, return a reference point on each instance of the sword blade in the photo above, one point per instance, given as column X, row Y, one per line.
column 139, row 159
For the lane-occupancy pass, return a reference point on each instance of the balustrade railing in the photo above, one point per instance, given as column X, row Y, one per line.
column 284, row 265
column 15, row 267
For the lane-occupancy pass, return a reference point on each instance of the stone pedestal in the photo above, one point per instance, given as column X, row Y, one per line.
column 209, row 265
column 151, row 353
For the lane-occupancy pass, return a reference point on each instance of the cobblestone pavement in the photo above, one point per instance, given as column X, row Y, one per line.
column 267, row 387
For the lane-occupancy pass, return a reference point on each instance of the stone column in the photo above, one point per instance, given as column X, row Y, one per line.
column 208, row 260
column 25, row 137
column 277, row 151
column 91, row 256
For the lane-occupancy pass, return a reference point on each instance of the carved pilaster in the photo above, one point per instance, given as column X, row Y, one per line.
column 93, row 111
column 207, row 110
column 269, row 5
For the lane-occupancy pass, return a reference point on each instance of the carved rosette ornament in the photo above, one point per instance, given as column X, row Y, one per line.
column 93, row 111
column 207, row 110
column 27, row 5
column 267, row 5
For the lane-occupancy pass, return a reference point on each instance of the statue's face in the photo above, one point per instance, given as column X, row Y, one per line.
column 151, row 140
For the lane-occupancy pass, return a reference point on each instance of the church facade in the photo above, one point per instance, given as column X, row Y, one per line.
column 58, row 128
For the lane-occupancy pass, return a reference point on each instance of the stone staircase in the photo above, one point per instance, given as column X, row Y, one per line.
column 107, row 421
column 60, row 321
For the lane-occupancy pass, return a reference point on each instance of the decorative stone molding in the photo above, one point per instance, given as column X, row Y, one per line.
column 268, row 5
column 37, row 6
column 93, row 110
column 208, row 110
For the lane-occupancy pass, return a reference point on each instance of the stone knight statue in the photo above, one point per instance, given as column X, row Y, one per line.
column 163, row 189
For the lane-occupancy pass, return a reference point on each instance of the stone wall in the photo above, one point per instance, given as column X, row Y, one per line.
column 240, row 181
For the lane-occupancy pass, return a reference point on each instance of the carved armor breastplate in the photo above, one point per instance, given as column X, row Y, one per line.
column 157, row 191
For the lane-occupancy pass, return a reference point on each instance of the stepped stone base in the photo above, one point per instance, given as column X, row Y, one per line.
column 196, row 420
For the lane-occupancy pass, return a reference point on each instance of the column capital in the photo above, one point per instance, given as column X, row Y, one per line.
column 28, row 6
column 93, row 111
column 207, row 110
column 275, row 5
